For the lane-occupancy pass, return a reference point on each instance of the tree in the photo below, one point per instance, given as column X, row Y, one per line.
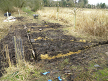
column 101, row 5
column 70, row 3
column 36, row 4
column 63, row 3
column 98, row 5
column 85, row 2
column 88, row 6
column 6, row 5
column 46, row 2
column 82, row 3
column 19, row 3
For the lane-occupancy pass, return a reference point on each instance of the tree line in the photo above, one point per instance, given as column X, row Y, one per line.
column 73, row 3
column 9, row 5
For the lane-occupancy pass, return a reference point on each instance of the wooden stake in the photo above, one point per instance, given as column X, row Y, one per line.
column 7, row 16
column 19, row 12
column 7, row 55
column 74, row 18
column 16, row 51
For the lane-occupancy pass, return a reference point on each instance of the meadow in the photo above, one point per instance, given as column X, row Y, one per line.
column 90, row 22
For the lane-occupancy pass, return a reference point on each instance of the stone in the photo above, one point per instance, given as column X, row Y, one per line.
column 54, row 71
column 106, row 53
column 32, row 40
column 96, row 65
column 67, row 71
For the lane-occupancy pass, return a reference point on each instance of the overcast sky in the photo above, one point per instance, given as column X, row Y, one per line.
column 95, row 1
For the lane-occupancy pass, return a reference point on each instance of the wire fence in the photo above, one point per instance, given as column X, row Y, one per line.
column 19, row 49
column 7, row 56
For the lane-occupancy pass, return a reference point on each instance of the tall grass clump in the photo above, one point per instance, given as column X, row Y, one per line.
column 64, row 16
column 94, row 23
column 21, row 73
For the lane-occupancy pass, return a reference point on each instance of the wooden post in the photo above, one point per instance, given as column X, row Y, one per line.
column 7, row 55
column 19, row 12
column 57, row 10
column 16, row 51
column 75, row 18
column 7, row 16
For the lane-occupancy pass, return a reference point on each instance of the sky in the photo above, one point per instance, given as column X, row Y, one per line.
column 95, row 1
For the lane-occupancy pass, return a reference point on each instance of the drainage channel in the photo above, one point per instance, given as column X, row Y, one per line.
column 34, row 52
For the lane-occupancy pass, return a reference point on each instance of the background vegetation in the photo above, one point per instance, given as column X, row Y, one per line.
column 9, row 5
column 73, row 3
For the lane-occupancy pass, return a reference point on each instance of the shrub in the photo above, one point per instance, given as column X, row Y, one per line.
column 6, row 5
column 19, row 3
column 37, row 4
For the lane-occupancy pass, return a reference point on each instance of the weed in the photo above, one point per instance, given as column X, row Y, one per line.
column 102, row 75
column 84, row 76
column 66, row 61
column 27, row 10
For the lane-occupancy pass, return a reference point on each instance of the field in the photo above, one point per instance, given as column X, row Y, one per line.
column 71, row 44
column 88, row 21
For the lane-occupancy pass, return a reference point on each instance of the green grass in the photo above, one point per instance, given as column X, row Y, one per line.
column 23, row 73
column 28, row 11
column 102, row 75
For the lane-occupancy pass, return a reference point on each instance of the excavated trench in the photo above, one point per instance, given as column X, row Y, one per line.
column 47, row 43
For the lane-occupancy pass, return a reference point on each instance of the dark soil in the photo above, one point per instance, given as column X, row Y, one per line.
column 53, row 42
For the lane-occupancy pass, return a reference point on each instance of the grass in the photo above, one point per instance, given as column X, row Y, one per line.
column 21, row 73
column 4, row 26
column 102, row 75
column 27, row 10
column 32, row 72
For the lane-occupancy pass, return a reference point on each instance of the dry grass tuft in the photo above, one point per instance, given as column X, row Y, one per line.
column 64, row 15
column 20, row 73
column 94, row 23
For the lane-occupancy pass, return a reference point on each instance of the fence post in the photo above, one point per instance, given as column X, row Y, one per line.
column 16, row 51
column 7, row 16
column 19, row 51
column 22, row 53
column 74, row 17
column 7, row 55
column 57, row 10
column 19, row 12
